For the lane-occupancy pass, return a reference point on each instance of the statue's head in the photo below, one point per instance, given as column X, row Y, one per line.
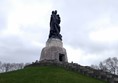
column 55, row 11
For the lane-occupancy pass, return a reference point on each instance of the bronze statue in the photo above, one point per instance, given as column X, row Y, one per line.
column 54, row 26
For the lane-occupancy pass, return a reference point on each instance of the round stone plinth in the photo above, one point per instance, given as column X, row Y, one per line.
column 54, row 51
column 54, row 42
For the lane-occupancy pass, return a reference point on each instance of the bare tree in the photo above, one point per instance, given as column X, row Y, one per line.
column 16, row 66
column 109, row 65
column 21, row 65
column 103, row 67
column 5, row 67
column 95, row 67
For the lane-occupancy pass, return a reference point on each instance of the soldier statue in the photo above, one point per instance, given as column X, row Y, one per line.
column 54, row 26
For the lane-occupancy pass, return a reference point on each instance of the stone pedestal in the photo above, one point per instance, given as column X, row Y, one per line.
column 54, row 51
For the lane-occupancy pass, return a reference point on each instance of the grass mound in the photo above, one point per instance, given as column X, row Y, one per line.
column 45, row 74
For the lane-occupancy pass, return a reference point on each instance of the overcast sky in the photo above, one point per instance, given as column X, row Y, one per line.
column 89, row 29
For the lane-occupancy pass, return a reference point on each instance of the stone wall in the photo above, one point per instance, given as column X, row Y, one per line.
column 85, row 70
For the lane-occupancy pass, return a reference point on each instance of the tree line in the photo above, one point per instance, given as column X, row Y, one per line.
column 6, row 67
column 108, row 65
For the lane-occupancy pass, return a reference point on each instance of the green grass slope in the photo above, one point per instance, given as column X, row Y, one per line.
column 46, row 74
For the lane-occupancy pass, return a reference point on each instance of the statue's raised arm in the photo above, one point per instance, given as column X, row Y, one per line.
column 54, row 26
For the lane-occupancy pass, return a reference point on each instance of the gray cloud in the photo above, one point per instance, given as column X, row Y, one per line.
column 14, row 49
column 2, row 21
column 76, row 17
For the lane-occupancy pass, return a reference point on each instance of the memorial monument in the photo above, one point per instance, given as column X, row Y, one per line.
column 54, row 46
